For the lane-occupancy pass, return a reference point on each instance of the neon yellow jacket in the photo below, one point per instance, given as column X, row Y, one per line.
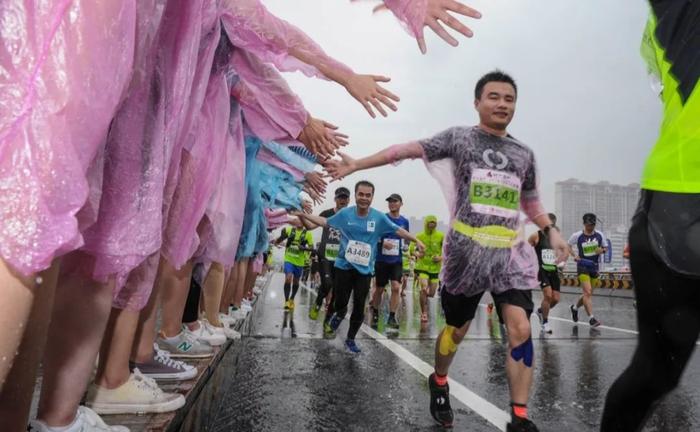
column 433, row 247
column 674, row 162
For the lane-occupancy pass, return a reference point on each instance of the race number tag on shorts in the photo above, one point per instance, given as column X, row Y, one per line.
column 495, row 193
column 548, row 257
column 332, row 251
column 358, row 253
column 590, row 248
column 391, row 247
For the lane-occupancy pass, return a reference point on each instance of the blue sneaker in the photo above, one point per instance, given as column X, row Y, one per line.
column 352, row 346
column 335, row 322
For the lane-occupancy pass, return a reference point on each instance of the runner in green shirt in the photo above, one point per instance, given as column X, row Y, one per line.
column 299, row 243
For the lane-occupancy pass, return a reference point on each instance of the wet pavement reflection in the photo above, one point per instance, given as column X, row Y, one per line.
column 285, row 377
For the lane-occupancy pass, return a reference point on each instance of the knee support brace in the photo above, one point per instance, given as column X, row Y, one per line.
column 524, row 352
column 447, row 344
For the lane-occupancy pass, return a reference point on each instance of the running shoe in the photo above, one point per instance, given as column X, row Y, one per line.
column 352, row 346
column 440, row 402
column 86, row 420
column 546, row 328
column 335, row 322
column 574, row 313
column 540, row 316
column 139, row 394
column 392, row 323
column 521, row 425
column 163, row 367
column 328, row 332
column 594, row 322
column 185, row 345
column 313, row 312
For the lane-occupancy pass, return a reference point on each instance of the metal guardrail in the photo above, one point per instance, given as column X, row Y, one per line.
column 614, row 280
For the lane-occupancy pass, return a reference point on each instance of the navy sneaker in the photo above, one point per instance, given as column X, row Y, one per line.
column 440, row 402
column 352, row 346
column 392, row 323
column 335, row 321
column 594, row 322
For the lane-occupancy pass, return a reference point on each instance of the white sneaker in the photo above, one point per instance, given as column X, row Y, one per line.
column 246, row 306
column 86, row 420
column 206, row 334
column 138, row 395
column 226, row 320
column 227, row 332
column 546, row 328
column 237, row 314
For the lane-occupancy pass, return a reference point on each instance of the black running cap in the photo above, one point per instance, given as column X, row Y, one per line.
column 395, row 197
column 342, row 192
column 590, row 218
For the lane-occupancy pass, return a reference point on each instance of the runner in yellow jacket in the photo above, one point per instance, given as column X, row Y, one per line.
column 429, row 264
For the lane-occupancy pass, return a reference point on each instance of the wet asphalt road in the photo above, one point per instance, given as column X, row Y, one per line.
column 275, row 381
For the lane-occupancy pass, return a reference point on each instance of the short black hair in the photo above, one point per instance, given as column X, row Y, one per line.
column 553, row 218
column 493, row 76
column 364, row 183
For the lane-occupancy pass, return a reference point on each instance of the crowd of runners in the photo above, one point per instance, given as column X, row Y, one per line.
column 148, row 148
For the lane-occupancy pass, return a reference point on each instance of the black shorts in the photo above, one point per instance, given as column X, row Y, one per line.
column 315, row 267
column 459, row 308
column 549, row 279
column 386, row 272
column 432, row 277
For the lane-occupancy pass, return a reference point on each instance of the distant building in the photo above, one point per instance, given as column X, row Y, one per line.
column 613, row 204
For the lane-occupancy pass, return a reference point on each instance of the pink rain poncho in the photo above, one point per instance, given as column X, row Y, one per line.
column 272, row 110
column 411, row 13
column 251, row 27
column 128, row 225
column 64, row 66
column 198, row 173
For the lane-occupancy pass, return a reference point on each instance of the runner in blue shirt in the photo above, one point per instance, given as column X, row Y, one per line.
column 361, row 227
column 586, row 247
column 389, row 265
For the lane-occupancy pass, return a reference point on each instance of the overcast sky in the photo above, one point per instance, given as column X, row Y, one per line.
column 585, row 103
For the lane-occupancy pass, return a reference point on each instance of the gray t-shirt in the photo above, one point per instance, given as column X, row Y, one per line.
column 491, row 175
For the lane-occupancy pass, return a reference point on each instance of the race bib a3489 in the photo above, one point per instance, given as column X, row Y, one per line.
column 358, row 253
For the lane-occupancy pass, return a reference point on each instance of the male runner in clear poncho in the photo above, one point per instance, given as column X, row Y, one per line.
column 487, row 177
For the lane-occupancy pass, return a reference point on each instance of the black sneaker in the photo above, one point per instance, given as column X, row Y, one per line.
column 574, row 313
column 521, row 425
column 375, row 316
column 440, row 403
column 392, row 323
column 594, row 322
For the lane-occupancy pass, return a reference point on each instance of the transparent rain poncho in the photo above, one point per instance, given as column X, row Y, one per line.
column 486, row 181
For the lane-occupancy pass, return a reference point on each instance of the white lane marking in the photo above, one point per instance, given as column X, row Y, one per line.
column 473, row 401
column 582, row 324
